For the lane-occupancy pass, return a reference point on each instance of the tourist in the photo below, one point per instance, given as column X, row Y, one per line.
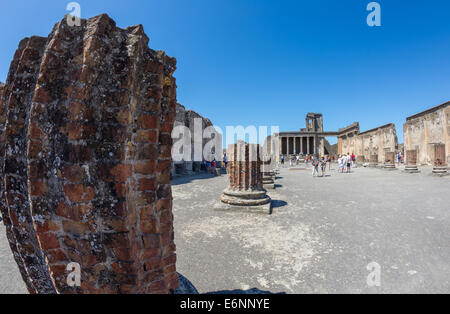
column 315, row 164
column 208, row 166
column 298, row 160
column 349, row 162
column 353, row 159
column 213, row 166
column 340, row 164
column 323, row 165
column 307, row 160
column 282, row 159
column 225, row 160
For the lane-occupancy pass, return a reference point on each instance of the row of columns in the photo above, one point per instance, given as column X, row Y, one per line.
column 308, row 139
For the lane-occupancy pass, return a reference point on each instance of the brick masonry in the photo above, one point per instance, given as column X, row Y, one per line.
column 244, row 173
column 87, row 156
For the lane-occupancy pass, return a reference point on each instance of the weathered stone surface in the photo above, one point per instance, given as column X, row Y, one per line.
column 389, row 161
column 411, row 161
column 373, row 161
column 372, row 142
column 423, row 130
column 87, row 160
column 244, row 172
column 440, row 164
column 191, row 120
column 267, row 173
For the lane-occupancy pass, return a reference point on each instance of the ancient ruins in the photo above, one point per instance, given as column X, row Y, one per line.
column 246, row 184
column 86, row 145
column 425, row 130
column 311, row 140
column 192, row 120
column 86, row 161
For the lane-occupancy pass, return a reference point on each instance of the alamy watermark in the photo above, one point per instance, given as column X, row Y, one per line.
column 374, row 278
column 206, row 144
column 374, row 17
column 74, row 17
column 74, row 276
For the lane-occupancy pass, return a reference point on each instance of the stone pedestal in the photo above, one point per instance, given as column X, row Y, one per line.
column 267, row 175
column 389, row 161
column 373, row 161
column 411, row 162
column 440, row 167
column 246, row 187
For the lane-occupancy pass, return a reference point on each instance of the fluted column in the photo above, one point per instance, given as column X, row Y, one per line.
column 246, row 188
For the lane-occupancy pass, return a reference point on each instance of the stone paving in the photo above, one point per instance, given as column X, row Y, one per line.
column 320, row 238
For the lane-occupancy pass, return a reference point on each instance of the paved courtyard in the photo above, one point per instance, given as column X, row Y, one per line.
column 320, row 238
column 323, row 237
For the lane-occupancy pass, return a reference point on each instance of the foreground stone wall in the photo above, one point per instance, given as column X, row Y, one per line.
column 424, row 130
column 85, row 130
column 376, row 141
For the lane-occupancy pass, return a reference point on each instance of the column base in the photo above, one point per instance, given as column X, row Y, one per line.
column 440, row 171
column 263, row 209
column 411, row 169
column 269, row 186
column 245, row 201
column 389, row 167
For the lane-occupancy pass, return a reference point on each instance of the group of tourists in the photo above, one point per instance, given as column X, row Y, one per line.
column 321, row 164
column 346, row 162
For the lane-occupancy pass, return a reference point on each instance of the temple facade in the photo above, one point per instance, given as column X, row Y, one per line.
column 310, row 140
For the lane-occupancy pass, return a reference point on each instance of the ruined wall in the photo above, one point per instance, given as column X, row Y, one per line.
column 188, row 118
column 376, row 141
column 85, row 131
column 425, row 129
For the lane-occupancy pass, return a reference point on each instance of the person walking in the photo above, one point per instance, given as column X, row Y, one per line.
column 315, row 164
column 323, row 165
column 225, row 160
column 282, row 160
column 340, row 164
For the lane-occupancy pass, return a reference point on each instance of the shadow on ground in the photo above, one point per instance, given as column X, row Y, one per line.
column 189, row 178
column 278, row 203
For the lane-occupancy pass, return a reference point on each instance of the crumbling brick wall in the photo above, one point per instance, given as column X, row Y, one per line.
column 87, row 155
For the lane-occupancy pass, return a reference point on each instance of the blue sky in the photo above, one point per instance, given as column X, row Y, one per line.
column 267, row 62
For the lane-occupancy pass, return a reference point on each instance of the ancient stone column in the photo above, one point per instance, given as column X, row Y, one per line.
column 267, row 173
column 389, row 161
column 244, row 172
column 373, row 161
column 85, row 153
column 411, row 161
column 440, row 164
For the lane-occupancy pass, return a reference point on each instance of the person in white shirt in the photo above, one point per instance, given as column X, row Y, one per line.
column 349, row 162
column 340, row 164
